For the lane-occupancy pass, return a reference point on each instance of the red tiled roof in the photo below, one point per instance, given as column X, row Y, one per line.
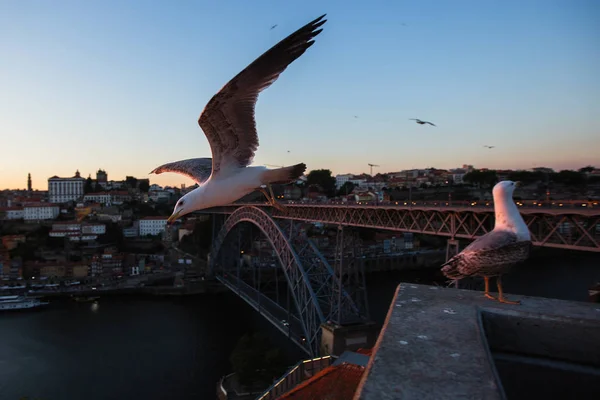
column 334, row 382
column 366, row 352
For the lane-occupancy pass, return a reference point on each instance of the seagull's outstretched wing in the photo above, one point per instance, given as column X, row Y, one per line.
column 199, row 169
column 228, row 118
column 430, row 123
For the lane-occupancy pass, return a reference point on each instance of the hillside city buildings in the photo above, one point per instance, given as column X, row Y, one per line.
column 78, row 226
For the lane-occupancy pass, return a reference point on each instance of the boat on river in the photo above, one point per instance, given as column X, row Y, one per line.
column 86, row 299
column 13, row 303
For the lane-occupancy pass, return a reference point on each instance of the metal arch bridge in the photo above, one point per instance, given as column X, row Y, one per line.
column 565, row 228
column 317, row 293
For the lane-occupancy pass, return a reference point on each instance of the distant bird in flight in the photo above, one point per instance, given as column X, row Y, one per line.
column 229, row 125
column 356, row 116
column 273, row 27
column 496, row 252
column 421, row 122
column 489, row 147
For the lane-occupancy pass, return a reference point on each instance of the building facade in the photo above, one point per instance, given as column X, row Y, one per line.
column 152, row 225
column 63, row 190
column 11, row 213
column 40, row 211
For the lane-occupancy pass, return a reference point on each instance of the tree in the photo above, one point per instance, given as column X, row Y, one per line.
column 144, row 185
column 346, row 188
column 89, row 187
column 528, row 177
column 481, row 178
column 200, row 240
column 569, row 178
column 131, row 182
column 324, row 179
column 587, row 169
column 254, row 362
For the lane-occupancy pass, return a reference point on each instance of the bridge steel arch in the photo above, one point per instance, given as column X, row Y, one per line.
column 304, row 298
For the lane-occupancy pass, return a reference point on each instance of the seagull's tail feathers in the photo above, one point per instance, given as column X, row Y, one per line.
column 285, row 174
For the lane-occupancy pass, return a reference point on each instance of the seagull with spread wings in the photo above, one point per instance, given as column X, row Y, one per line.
column 496, row 252
column 422, row 122
column 229, row 125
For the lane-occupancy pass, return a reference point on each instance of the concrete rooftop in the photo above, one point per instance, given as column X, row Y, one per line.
column 437, row 343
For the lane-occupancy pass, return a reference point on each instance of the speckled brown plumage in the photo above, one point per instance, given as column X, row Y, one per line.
column 228, row 118
column 490, row 255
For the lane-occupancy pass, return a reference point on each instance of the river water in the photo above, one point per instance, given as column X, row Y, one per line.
column 178, row 348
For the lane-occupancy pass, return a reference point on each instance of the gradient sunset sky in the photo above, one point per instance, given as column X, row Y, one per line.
column 119, row 85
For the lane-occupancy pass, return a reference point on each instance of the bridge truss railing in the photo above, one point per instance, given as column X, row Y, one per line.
column 567, row 229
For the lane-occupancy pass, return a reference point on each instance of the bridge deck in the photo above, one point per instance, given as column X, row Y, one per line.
column 575, row 228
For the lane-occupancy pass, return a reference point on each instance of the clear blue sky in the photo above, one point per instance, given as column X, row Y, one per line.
column 119, row 85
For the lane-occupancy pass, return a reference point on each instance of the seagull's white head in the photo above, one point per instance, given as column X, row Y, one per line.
column 504, row 190
column 190, row 202
column 506, row 212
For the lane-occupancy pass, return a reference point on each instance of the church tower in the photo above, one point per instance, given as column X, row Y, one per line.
column 29, row 182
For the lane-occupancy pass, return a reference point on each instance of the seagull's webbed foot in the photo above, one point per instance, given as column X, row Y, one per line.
column 263, row 191
column 487, row 288
column 274, row 202
column 271, row 199
column 501, row 298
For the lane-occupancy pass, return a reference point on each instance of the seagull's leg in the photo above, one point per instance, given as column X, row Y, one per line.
column 501, row 298
column 263, row 191
column 487, row 288
column 274, row 202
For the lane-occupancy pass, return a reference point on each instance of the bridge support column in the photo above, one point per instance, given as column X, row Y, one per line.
column 452, row 249
column 336, row 339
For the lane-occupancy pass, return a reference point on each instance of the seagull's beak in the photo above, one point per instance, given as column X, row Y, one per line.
column 518, row 184
column 173, row 217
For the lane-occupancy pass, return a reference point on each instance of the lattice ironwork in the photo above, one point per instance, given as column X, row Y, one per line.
column 343, row 297
column 309, row 277
column 567, row 228
column 349, row 300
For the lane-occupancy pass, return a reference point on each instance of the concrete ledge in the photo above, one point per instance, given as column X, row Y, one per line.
column 438, row 343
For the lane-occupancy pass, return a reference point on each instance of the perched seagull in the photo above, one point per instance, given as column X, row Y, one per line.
column 273, row 27
column 489, row 147
column 422, row 122
column 494, row 253
column 229, row 125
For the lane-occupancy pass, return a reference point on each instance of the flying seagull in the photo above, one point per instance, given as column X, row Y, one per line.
column 494, row 253
column 273, row 27
column 229, row 125
column 422, row 122
column 489, row 147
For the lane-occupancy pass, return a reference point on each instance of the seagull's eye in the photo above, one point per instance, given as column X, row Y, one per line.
column 180, row 204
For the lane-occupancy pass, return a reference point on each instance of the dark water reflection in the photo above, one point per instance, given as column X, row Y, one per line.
column 151, row 348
